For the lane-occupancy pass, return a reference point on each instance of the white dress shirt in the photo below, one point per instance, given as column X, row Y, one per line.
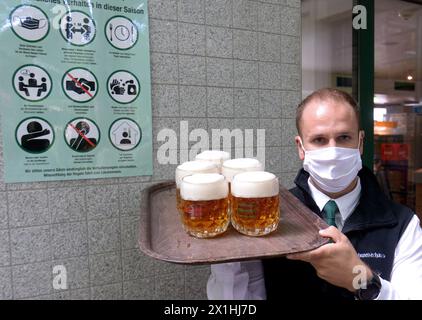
column 346, row 204
column 245, row 280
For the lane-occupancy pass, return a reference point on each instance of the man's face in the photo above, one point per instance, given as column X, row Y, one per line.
column 328, row 124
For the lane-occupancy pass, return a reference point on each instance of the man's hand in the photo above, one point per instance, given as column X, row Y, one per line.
column 335, row 262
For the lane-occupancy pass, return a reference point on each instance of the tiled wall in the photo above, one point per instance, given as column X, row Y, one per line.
column 216, row 63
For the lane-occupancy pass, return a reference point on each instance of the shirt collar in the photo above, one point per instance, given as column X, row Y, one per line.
column 346, row 204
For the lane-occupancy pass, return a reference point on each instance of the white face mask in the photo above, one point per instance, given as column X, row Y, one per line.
column 333, row 169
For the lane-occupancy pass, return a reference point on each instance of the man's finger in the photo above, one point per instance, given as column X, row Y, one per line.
column 303, row 256
column 332, row 233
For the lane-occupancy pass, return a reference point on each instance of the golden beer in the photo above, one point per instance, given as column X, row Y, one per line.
column 216, row 156
column 189, row 168
column 235, row 166
column 255, row 203
column 204, row 205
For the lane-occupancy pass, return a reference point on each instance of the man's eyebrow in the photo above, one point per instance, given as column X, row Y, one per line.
column 323, row 135
column 317, row 135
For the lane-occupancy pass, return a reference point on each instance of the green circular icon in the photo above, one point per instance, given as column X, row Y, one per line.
column 123, row 87
column 77, row 28
column 125, row 134
column 34, row 135
column 121, row 32
column 82, row 135
column 80, row 85
column 29, row 23
column 32, row 83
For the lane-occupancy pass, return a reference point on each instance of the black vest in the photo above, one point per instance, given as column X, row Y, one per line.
column 374, row 229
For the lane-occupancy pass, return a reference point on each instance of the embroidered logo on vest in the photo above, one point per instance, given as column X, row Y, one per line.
column 374, row 255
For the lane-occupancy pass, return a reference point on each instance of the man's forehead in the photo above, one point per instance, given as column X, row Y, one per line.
column 319, row 108
column 338, row 104
column 321, row 113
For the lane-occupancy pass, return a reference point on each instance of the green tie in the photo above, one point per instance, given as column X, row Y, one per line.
column 329, row 212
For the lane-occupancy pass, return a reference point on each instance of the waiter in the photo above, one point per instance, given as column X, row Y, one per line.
column 375, row 252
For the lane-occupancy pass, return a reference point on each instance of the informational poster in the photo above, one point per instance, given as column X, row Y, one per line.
column 75, row 89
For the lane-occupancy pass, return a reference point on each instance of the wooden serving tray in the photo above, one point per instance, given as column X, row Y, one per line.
column 162, row 235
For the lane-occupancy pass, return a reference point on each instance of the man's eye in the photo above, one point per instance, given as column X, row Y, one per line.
column 344, row 138
column 318, row 140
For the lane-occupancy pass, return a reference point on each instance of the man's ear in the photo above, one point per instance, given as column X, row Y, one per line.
column 299, row 148
column 362, row 141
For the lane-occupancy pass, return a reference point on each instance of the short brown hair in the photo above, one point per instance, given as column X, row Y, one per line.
column 326, row 94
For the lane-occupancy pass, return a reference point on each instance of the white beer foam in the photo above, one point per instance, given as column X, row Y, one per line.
column 204, row 187
column 216, row 156
column 192, row 167
column 255, row 185
column 232, row 167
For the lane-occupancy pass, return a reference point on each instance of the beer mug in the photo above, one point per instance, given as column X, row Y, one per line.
column 255, row 203
column 204, row 204
column 216, row 156
column 232, row 167
column 189, row 168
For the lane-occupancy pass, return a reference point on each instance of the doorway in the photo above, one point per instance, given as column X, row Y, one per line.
column 398, row 100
